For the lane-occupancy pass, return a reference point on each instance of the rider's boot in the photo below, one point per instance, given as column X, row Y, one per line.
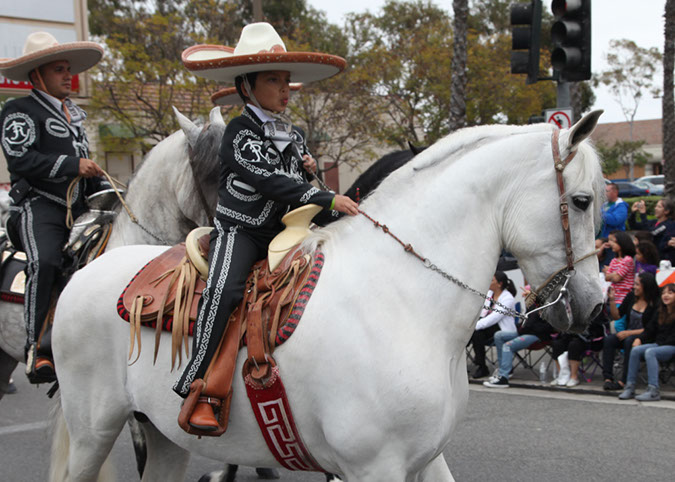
column 39, row 367
column 203, row 417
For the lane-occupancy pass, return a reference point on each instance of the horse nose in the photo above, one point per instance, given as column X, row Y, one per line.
column 596, row 311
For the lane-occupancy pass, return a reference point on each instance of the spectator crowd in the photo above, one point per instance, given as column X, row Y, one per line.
column 637, row 323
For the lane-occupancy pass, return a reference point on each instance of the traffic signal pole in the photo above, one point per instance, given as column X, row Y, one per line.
column 564, row 98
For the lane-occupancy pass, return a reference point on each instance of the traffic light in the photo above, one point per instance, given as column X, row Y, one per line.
column 571, row 35
column 526, row 23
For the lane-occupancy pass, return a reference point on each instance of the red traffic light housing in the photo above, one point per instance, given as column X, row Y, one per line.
column 571, row 35
column 525, row 35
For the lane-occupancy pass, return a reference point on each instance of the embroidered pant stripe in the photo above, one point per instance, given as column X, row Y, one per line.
column 33, row 270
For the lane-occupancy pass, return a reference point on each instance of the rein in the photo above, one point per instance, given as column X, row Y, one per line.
column 69, row 202
column 558, row 279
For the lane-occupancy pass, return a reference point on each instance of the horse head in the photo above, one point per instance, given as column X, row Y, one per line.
column 203, row 144
column 539, row 240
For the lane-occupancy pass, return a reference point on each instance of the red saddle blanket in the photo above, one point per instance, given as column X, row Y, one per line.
column 168, row 289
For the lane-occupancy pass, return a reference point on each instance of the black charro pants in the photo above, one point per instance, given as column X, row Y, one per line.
column 232, row 253
column 43, row 232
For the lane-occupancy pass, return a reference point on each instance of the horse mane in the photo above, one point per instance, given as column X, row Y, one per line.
column 373, row 176
column 205, row 152
column 456, row 144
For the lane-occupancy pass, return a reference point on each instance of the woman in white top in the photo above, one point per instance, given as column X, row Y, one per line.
column 491, row 321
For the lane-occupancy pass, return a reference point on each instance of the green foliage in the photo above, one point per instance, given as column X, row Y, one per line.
column 622, row 154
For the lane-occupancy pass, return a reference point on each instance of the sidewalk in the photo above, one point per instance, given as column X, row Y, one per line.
column 522, row 377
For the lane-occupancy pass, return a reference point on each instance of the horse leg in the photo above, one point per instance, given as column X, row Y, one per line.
column 166, row 461
column 7, row 366
column 138, row 441
column 437, row 471
column 83, row 457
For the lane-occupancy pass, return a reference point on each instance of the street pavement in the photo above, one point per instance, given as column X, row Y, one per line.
column 520, row 433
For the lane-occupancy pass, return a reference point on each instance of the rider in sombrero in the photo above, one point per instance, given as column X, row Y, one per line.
column 46, row 147
column 265, row 171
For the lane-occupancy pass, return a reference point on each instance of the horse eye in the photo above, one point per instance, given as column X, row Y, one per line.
column 582, row 202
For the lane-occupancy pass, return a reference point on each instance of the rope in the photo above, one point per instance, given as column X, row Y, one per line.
column 69, row 201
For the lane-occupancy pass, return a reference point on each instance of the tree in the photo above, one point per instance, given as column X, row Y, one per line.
column 141, row 76
column 624, row 154
column 630, row 76
column 458, row 66
column 668, row 101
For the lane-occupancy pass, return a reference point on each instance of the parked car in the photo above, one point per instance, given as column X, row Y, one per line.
column 629, row 189
column 658, row 179
column 654, row 189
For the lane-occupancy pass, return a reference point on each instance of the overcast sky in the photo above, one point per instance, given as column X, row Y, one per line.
column 640, row 21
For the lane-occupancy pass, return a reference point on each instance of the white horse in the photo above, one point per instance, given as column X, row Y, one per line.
column 375, row 372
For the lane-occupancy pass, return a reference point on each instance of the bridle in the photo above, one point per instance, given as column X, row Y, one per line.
column 560, row 278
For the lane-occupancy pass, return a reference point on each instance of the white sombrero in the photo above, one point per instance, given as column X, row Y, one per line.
column 259, row 49
column 229, row 95
column 41, row 48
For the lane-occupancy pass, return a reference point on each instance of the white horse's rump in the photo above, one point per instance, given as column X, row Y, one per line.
column 376, row 371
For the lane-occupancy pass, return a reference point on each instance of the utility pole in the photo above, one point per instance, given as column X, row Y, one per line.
column 257, row 11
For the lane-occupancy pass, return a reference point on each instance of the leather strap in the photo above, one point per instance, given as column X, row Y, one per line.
column 560, row 166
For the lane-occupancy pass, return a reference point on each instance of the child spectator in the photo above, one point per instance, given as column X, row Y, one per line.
column 656, row 343
column 646, row 258
column 638, row 307
column 621, row 270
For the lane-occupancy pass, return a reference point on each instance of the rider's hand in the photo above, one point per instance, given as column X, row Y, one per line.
column 345, row 205
column 309, row 163
column 89, row 168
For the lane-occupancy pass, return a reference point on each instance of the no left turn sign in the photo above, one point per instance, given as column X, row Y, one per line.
column 561, row 118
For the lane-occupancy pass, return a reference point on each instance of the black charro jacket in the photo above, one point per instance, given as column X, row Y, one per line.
column 258, row 183
column 42, row 147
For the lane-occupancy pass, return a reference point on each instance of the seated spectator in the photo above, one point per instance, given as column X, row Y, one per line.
column 503, row 290
column 656, row 343
column 646, row 258
column 662, row 228
column 621, row 270
column 605, row 255
column 614, row 212
column 576, row 346
column 507, row 343
column 638, row 307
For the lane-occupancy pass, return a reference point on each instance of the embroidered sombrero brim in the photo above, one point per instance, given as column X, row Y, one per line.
column 81, row 55
column 218, row 63
column 229, row 95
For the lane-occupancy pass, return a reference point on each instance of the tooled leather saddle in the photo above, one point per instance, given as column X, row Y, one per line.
column 165, row 295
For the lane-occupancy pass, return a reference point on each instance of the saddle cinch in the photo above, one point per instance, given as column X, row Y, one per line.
column 165, row 295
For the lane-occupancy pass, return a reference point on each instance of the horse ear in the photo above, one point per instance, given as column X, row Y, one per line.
column 583, row 129
column 190, row 129
column 216, row 117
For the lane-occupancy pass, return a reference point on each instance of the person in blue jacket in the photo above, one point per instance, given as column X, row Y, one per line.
column 614, row 212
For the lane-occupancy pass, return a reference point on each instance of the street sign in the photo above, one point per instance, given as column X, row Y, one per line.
column 562, row 118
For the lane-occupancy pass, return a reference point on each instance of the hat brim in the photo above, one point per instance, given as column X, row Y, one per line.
column 229, row 95
column 81, row 55
column 217, row 63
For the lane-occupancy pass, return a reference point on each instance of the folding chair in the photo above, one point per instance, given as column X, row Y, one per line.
column 532, row 356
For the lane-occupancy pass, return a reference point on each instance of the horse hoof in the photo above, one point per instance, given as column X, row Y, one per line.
column 267, row 474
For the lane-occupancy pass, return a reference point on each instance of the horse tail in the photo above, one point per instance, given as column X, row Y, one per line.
column 58, row 466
